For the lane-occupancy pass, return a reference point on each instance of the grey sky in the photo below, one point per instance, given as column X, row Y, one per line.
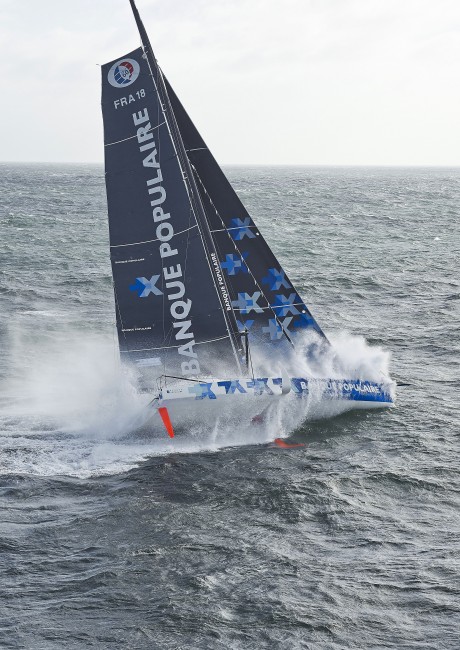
column 266, row 81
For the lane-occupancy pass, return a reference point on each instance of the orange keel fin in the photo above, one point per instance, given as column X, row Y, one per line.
column 163, row 411
column 285, row 445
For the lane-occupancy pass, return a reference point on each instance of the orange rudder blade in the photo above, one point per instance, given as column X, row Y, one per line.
column 163, row 411
column 285, row 445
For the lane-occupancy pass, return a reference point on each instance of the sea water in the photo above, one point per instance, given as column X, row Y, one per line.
column 112, row 536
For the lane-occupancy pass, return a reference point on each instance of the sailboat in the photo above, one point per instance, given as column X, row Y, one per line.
column 203, row 307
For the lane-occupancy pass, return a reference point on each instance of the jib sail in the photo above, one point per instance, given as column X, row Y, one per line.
column 263, row 298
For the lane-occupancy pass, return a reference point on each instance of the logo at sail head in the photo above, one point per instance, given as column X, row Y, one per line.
column 123, row 73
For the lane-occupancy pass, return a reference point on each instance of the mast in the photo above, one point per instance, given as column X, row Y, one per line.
column 188, row 175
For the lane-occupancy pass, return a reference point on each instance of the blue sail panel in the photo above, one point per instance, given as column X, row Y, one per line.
column 264, row 299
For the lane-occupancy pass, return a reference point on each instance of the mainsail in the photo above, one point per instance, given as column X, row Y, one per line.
column 169, row 313
column 191, row 271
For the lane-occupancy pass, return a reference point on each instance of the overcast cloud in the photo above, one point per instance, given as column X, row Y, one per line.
column 291, row 82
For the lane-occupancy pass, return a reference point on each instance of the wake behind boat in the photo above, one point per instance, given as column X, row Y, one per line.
column 199, row 294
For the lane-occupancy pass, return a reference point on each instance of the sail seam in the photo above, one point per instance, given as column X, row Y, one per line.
column 283, row 306
column 228, row 229
column 150, row 241
column 170, row 347
column 131, row 137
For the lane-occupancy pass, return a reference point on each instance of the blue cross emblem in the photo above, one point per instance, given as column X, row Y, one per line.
column 234, row 263
column 275, row 329
column 232, row 386
column 243, row 326
column 240, row 228
column 260, row 386
column 276, row 279
column 284, row 305
column 145, row 287
column 201, row 391
column 247, row 303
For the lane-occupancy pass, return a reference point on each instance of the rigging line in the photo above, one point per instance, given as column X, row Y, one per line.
column 172, row 347
column 153, row 66
column 226, row 229
column 160, row 112
column 250, row 360
column 170, row 128
column 168, row 337
column 131, row 137
column 118, row 310
column 184, row 378
column 248, row 309
column 155, row 81
column 197, row 149
column 187, row 245
column 150, row 241
column 239, row 252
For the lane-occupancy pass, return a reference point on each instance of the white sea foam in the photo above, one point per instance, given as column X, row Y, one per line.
column 348, row 357
column 69, row 407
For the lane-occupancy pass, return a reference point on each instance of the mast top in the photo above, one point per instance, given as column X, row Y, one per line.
column 141, row 28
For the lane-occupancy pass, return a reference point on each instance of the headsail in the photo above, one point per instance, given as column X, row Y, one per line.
column 266, row 302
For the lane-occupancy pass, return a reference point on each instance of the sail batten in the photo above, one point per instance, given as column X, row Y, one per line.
column 149, row 241
column 169, row 347
column 132, row 137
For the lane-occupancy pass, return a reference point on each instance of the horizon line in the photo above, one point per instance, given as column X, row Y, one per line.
column 254, row 164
